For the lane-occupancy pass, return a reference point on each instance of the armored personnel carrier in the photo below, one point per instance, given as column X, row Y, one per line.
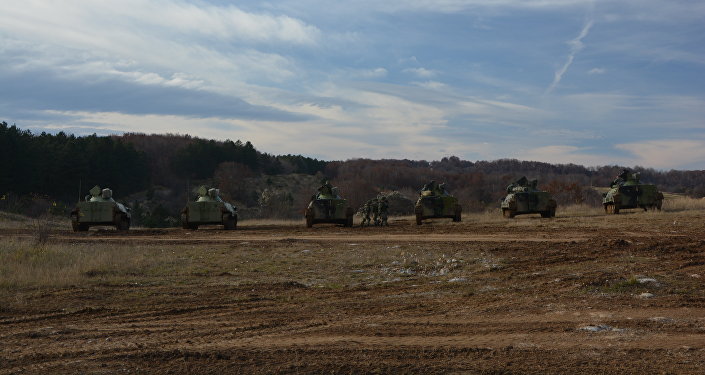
column 99, row 208
column 524, row 197
column 328, row 207
column 435, row 202
column 208, row 209
column 627, row 192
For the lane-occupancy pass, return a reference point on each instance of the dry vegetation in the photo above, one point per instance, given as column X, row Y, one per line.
column 582, row 293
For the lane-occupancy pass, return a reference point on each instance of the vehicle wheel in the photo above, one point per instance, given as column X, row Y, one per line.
column 509, row 214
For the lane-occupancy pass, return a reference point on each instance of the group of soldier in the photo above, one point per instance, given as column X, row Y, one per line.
column 375, row 212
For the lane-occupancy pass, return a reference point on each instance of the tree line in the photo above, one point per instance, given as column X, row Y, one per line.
column 51, row 167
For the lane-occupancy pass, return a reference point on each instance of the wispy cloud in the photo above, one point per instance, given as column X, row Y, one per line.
column 597, row 71
column 576, row 45
column 671, row 153
column 372, row 73
column 421, row 72
column 399, row 78
column 562, row 154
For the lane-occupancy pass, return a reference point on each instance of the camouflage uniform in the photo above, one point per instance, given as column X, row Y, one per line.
column 374, row 207
column 382, row 211
column 366, row 210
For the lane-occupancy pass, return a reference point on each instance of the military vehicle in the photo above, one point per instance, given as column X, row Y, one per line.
column 627, row 192
column 99, row 208
column 524, row 197
column 435, row 202
column 208, row 209
column 328, row 207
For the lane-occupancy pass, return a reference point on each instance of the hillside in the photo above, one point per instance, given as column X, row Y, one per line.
column 153, row 173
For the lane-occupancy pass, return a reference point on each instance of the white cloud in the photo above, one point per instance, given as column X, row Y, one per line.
column 373, row 73
column 674, row 153
column 562, row 154
column 576, row 45
column 432, row 85
column 194, row 44
column 421, row 72
column 82, row 22
column 597, row 71
column 451, row 6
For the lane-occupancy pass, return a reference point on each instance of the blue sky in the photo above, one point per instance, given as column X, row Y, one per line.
column 580, row 81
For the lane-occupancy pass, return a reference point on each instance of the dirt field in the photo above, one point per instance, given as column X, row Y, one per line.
column 591, row 295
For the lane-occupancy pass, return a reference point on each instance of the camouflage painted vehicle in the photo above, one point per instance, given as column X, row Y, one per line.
column 435, row 202
column 208, row 209
column 99, row 208
column 328, row 207
column 523, row 197
column 627, row 192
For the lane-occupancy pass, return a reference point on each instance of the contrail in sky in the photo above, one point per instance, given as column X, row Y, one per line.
column 575, row 46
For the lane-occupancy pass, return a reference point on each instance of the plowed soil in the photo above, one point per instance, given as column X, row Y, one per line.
column 619, row 294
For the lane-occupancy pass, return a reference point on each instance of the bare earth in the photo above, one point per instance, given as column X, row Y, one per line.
column 524, row 296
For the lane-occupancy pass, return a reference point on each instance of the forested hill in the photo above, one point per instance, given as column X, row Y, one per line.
column 52, row 166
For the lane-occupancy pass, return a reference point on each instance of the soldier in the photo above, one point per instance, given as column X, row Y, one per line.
column 374, row 208
column 366, row 214
column 382, row 209
column 621, row 178
column 326, row 188
column 431, row 186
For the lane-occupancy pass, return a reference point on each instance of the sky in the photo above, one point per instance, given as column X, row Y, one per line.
column 590, row 82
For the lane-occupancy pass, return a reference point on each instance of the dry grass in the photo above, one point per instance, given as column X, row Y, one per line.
column 30, row 264
column 576, row 210
column 26, row 266
column 680, row 203
column 16, row 221
column 271, row 222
